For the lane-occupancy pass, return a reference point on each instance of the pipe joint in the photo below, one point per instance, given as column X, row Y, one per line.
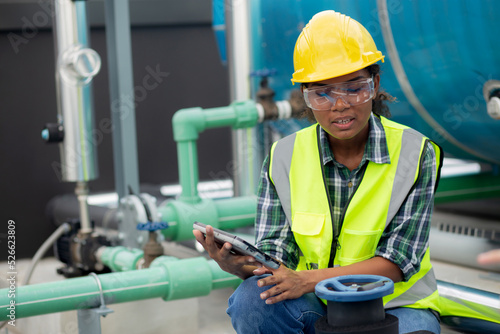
column 188, row 123
column 246, row 114
column 120, row 258
column 188, row 278
column 186, row 214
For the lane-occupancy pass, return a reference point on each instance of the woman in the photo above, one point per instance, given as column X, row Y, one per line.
column 352, row 194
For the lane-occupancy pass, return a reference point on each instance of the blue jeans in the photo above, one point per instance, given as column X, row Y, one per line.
column 250, row 314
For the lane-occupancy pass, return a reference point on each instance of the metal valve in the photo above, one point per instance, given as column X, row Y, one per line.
column 355, row 305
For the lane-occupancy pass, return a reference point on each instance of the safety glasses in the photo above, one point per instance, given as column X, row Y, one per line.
column 350, row 92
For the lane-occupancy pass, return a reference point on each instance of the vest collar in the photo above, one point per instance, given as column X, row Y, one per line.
column 375, row 150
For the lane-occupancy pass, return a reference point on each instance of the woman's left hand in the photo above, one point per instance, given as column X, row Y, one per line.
column 288, row 284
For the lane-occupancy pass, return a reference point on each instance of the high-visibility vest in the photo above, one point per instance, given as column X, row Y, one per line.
column 296, row 170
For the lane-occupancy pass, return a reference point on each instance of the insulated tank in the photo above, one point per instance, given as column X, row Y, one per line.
column 440, row 55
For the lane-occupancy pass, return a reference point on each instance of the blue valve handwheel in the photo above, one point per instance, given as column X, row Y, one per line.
column 150, row 226
column 354, row 288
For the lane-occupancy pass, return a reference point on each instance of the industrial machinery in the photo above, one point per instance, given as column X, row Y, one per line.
column 445, row 88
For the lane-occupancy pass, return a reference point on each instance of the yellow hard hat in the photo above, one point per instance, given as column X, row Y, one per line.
column 332, row 45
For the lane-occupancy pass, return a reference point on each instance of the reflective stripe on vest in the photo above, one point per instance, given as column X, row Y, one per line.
column 296, row 169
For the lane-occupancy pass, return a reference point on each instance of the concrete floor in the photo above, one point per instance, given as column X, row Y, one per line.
column 203, row 315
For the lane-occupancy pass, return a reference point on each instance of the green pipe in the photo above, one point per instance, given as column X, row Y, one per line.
column 120, row 258
column 225, row 214
column 468, row 187
column 187, row 154
column 189, row 123
column 166, row 278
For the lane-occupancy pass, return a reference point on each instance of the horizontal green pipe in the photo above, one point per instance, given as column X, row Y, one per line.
column 224, row 214
column 188, row 123
column 120, row 258
column 236, row 212
column 468, row 187
column 168, row 279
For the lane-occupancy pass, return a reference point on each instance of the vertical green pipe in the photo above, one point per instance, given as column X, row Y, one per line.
column 188, row 171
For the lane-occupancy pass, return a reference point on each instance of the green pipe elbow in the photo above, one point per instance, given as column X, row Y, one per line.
column 188, row 123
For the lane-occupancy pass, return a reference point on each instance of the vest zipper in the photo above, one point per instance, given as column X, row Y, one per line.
column 336, row 234
column 342, row 216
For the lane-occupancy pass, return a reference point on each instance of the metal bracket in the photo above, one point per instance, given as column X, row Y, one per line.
column 89, row 320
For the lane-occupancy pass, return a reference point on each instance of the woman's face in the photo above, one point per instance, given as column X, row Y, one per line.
column 344, row 121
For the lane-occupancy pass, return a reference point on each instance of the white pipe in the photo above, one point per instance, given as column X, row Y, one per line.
column 82, row 193
column 246, row 151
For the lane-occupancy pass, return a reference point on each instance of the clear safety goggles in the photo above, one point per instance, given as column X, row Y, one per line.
column 350, row 92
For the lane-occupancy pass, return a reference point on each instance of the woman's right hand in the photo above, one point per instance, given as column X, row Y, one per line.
column 239, row 265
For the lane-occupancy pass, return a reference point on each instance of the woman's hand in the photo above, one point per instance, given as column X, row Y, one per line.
column 288, row 284
column 241, row 266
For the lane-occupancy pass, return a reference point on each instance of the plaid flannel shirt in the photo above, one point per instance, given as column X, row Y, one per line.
column 405, row 239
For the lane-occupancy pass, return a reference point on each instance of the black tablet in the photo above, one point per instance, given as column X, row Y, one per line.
column 240, row 246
